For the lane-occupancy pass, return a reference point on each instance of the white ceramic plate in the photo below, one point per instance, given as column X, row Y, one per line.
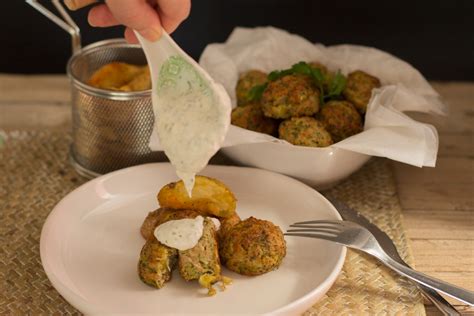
column 90, row 245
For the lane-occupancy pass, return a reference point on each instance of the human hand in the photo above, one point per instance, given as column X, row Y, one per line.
column 147, row 17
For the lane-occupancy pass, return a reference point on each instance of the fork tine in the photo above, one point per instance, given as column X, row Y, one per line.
column 319, row 222
column 318, row 226
column 313, row 235
column 311, row 230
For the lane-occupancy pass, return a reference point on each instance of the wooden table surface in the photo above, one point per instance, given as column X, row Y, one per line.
column 438, row 203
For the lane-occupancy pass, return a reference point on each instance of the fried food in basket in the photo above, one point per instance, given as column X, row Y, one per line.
column 251, row 117
column 120, row 76
column 289, row 96
column 156, row 263
column 247, row 81
column 359, row 89
column 305, row 131
column 209, row 197
column 141, row 82
column 341, row 119
column 253, row 247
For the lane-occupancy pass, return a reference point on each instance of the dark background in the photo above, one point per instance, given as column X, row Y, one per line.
column 437, row 37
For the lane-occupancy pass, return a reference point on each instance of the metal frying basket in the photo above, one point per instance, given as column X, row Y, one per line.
column 111, row 129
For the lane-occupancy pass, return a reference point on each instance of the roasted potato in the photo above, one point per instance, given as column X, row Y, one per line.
column 141, row 82
column 120, row 76
column 210, row 197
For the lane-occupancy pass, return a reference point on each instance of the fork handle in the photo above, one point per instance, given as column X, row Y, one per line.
column 440, row 302
column 451, row 290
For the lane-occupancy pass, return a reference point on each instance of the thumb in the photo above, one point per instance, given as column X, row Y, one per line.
column 137, row 15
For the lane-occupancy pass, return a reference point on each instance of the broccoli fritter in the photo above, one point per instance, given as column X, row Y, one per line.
column 156, row 263
column 305, row 131
column 253, row 247
column 341, row 119
column 246, row 82
column 226, row 226
column 291, row 95
column 359, row 87
column 202, row 259
column 251, row 117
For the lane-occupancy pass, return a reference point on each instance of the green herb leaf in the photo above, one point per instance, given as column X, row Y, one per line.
column 302, row 68
column 336, row 86
column 256, row 92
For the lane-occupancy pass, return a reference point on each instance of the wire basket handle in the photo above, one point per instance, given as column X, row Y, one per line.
column 66, row 23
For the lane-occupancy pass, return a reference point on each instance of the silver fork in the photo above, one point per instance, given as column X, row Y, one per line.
column 355, row 236
column 349, row 214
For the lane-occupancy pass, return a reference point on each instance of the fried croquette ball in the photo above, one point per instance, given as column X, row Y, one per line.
column 253, row 247
column 358, row 89
column 251, row 117
column 341, row 119
column 156, row 263
column 246, row 82
column 202, row 259
column 305, row 131
column 149, row 224
column 226, row 225
column 162, row 215
column 291, row 95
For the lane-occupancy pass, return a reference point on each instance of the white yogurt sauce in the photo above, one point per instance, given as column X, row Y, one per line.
column 217, row 223
column 181, row 234
column 191, row 117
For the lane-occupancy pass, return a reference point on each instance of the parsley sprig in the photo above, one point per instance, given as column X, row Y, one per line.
column 335, row 84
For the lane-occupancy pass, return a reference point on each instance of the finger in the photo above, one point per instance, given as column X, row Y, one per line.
column 137, row 15
column 101, row 16
column 130, row 36
column 173, row 12
column 77, row 4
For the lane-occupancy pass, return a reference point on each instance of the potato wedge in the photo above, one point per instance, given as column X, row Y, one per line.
column 114, row 75
column 141, row 82
column 209, row 197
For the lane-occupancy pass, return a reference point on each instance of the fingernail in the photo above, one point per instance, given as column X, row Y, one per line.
column 69, row 4
column 151, row 34
column 90, row 20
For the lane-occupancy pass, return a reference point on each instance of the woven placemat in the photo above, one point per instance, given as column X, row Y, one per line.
column 35, row 175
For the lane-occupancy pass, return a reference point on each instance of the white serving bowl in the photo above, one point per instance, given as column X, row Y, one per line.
column 320, row 168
